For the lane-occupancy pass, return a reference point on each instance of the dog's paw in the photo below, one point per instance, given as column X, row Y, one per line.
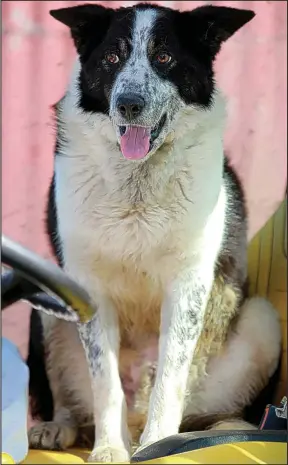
column 51, row 436
column 107, row 454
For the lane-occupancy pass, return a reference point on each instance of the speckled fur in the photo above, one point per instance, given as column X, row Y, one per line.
column 138, row 77
column 159, row 244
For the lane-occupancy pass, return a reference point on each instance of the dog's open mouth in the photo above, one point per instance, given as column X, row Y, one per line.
column 137, row 141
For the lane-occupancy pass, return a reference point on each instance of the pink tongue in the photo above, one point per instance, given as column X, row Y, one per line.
column 135, row 142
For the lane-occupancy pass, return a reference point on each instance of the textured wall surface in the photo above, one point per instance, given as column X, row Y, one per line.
column 37, row 53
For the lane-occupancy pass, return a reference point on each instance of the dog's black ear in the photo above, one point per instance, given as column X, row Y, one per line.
column 85, row 21
column 214, row 24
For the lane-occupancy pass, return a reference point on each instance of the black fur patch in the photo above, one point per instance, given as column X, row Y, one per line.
column 97, row 75
column 234, row 246
column 51, row 223
column 41, row 399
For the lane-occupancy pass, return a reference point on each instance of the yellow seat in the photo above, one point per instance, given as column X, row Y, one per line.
column 267, row 264
column 238, row 453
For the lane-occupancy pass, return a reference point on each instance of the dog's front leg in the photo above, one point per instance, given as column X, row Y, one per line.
column 100, row 338
column 181, row 323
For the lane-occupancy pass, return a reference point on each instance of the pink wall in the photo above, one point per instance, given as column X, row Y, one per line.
column 37, row 53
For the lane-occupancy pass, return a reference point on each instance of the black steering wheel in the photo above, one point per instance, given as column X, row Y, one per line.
column 31, row 278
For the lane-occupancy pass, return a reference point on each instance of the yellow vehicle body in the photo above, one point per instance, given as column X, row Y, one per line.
column 237, row 453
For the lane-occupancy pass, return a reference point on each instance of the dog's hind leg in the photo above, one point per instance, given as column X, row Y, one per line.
column 64, row 375
column 237, row 375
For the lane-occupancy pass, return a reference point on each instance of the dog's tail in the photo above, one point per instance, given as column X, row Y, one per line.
column 41, row 399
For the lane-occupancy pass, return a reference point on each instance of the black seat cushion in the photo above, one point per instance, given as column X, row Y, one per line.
column 186, row 442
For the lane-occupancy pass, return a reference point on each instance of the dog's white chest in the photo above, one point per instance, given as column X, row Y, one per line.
column 108, row 223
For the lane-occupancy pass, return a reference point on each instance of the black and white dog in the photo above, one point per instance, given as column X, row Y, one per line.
column 145, row 212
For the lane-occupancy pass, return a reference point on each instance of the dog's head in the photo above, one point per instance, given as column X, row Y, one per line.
column 140, row 65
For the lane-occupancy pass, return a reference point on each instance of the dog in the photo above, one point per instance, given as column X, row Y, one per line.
column 146, row 213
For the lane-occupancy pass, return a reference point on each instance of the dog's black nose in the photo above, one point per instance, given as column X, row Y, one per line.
column 130, row 105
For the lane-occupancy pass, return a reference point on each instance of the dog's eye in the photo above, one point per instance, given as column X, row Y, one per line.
column 112, row 58
column 163, row 58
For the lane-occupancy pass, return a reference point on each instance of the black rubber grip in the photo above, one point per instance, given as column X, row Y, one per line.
column 48, row 277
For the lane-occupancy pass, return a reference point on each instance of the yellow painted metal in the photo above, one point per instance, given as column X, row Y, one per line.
column 237, row 453
column 267, row 264
column 6, row 458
